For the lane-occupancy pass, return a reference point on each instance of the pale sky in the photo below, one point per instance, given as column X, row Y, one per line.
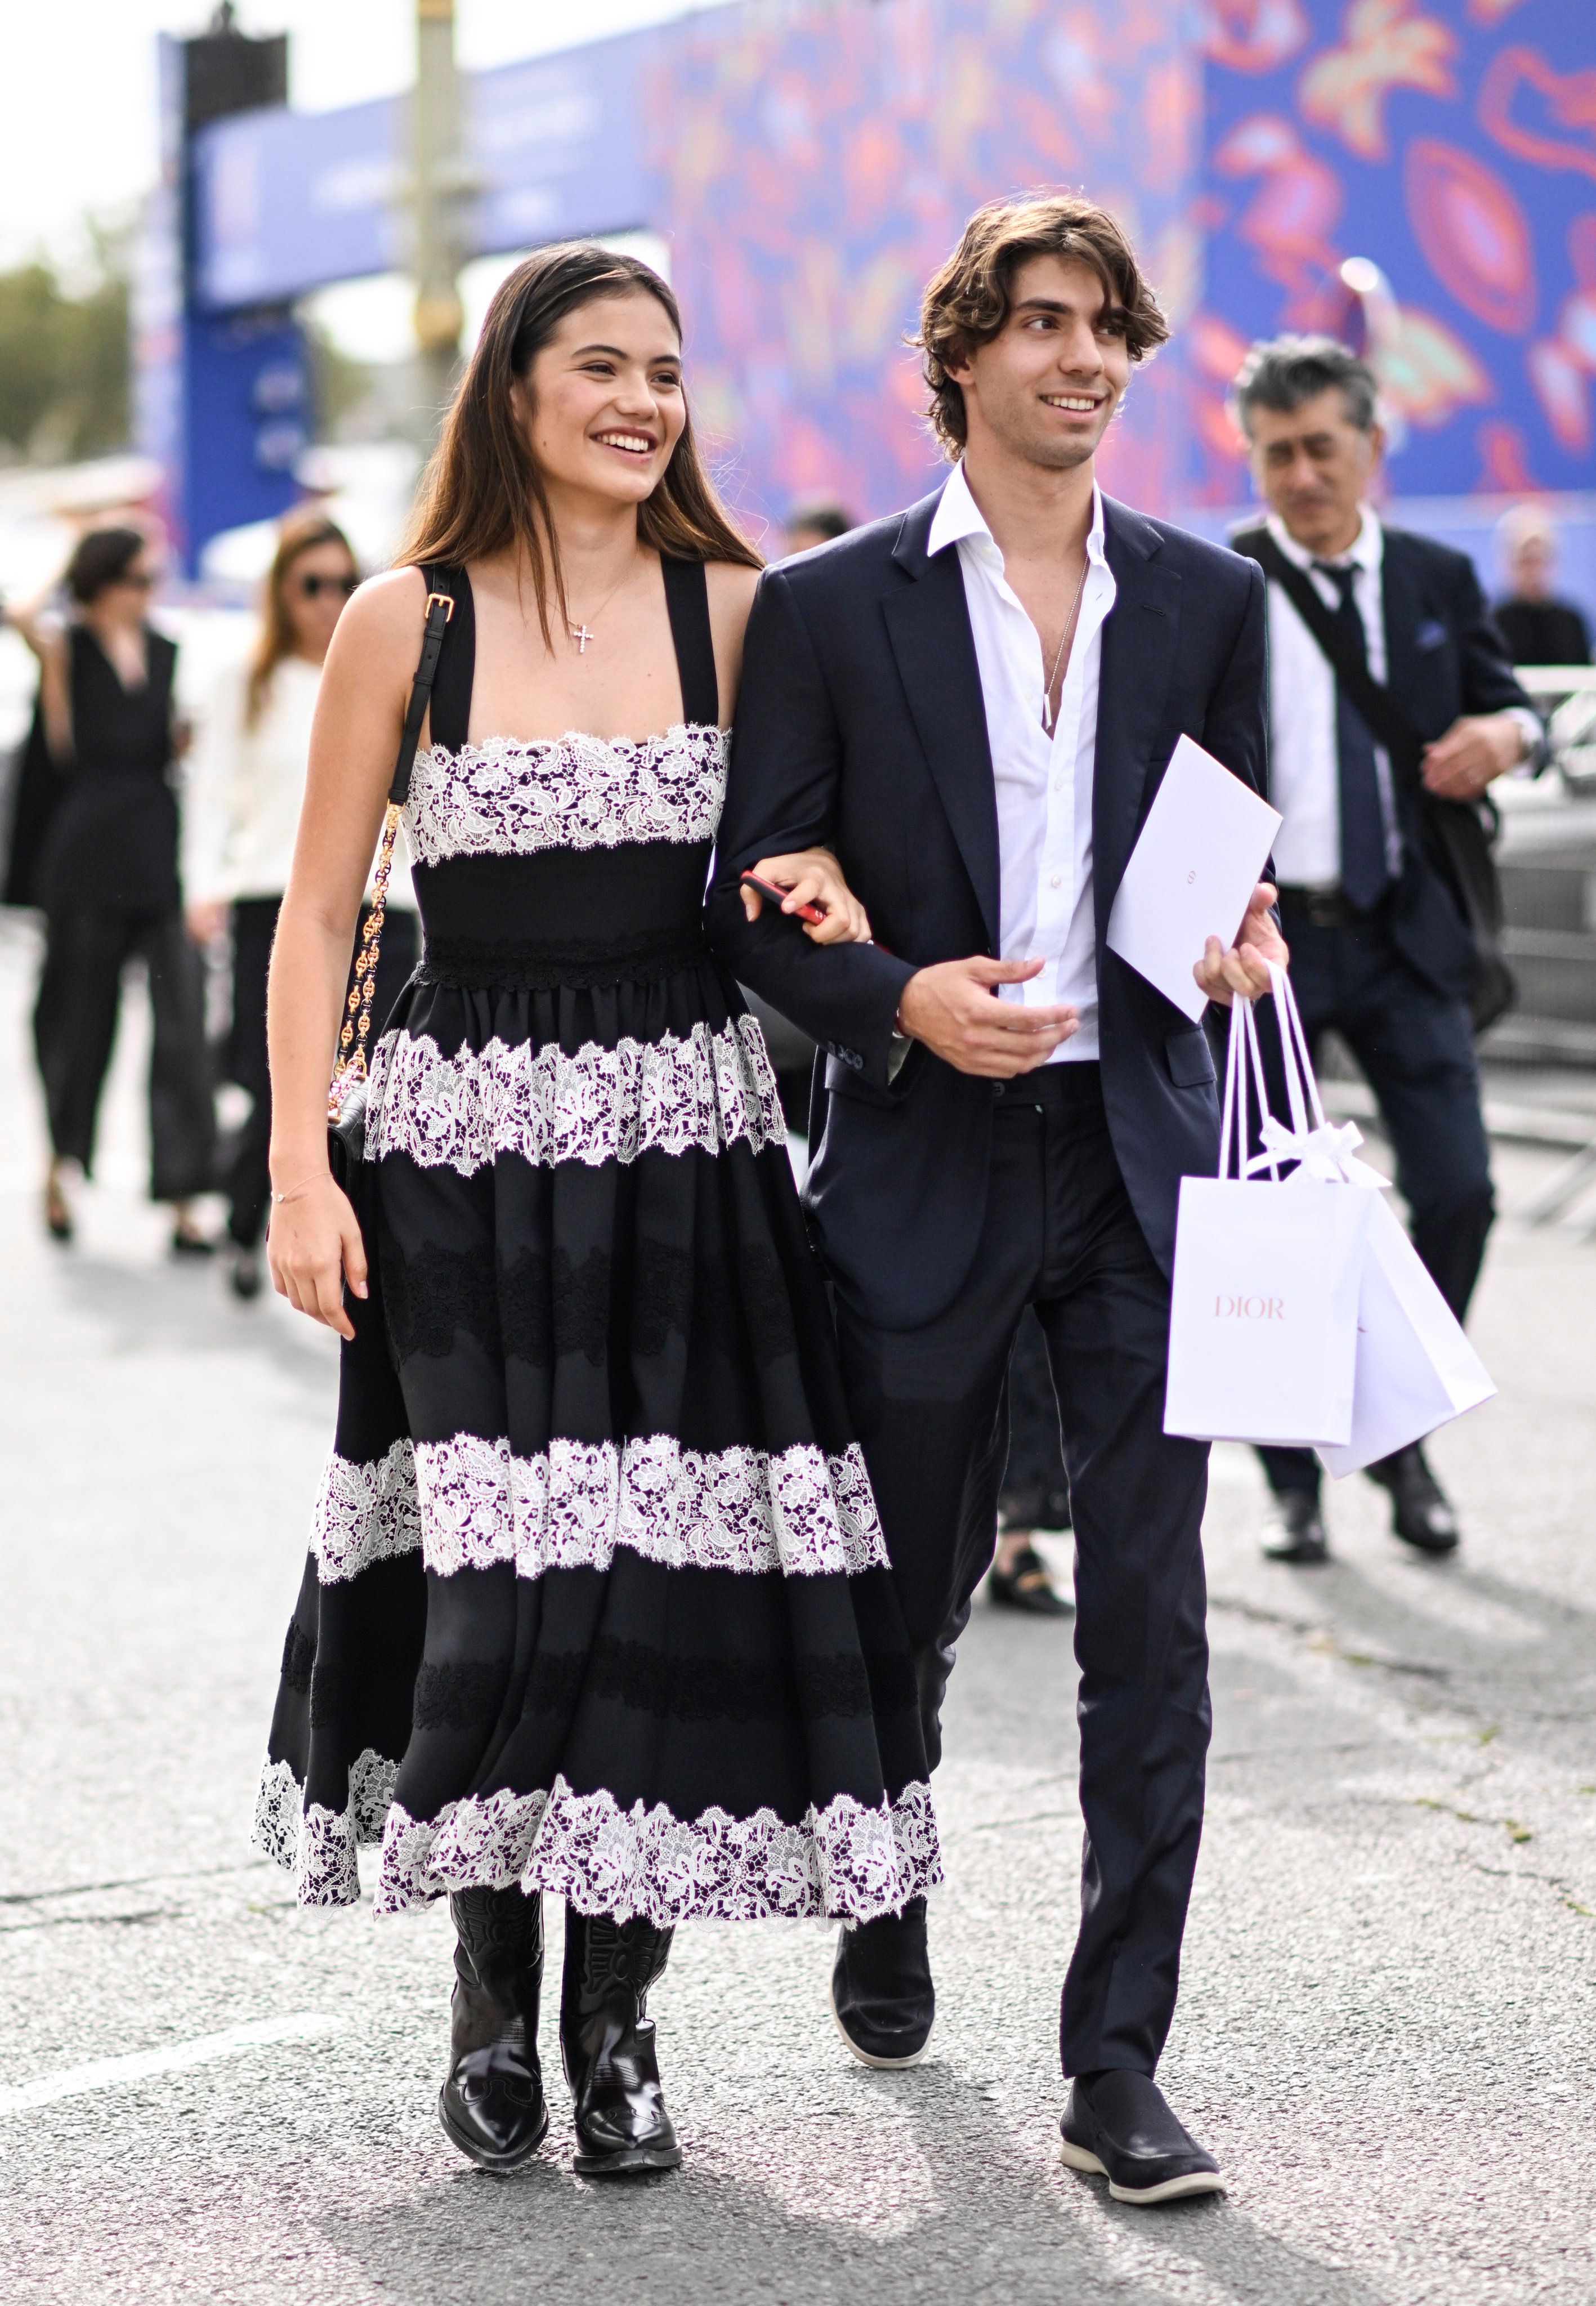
column 80, row 82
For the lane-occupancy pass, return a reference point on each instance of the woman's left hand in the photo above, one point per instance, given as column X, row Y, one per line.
column 813, row 876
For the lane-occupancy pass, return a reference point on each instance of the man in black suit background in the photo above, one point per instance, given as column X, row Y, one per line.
column 973, row 703
column 1381, row 950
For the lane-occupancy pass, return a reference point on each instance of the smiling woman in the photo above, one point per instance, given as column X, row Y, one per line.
column 597, row 1600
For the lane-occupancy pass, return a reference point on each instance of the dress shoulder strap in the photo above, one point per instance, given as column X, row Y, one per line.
column 457, row 662
column 687, row 597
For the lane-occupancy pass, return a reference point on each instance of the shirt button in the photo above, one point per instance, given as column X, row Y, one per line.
column 1058, row 785
column 1054, row 883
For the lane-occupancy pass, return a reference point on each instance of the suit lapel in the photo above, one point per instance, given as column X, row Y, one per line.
column 1401, row 613
column 1139, row 637
column 928, row 626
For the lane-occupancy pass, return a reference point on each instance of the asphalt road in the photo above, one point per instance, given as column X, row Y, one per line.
column 1386, row 2023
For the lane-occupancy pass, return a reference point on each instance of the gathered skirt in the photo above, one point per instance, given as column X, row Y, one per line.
column 596, row 1598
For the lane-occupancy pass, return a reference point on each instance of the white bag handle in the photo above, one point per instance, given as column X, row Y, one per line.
column 1243, row 1055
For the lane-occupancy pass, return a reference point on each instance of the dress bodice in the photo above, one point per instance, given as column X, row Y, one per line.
column 508, row 797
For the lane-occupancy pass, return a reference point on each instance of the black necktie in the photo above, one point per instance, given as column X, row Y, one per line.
column 1365, row 875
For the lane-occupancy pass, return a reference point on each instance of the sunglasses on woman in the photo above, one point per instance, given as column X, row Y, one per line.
column 314, row 586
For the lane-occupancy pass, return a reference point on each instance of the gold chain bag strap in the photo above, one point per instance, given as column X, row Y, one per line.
column 346, row 1095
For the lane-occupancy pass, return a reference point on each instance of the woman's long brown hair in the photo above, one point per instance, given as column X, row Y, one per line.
column 482, row 492
column 300, row 532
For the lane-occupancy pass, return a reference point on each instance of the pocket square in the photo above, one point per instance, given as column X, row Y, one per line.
column 1431, row 634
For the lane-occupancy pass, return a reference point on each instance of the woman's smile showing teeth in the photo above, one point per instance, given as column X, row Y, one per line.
column 635, row 444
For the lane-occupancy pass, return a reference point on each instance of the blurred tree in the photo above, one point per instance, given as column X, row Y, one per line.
column 63, row 355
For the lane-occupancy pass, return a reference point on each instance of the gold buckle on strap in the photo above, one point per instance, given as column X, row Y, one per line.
column 448, row 600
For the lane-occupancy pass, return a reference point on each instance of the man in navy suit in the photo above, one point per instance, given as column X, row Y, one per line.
column 973, row 704
column 1383, row 952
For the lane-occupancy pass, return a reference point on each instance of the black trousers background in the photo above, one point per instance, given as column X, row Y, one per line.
column 1035, row 1488
column 928, row 1406
column 74, row 1032
column 1416, row 1049
column 248, row 1178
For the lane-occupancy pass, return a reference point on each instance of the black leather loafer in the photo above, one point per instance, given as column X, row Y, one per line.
column 1420, row 1515
column 1118, row 2126
column 881, row 1995
column 1295, row 1529
column 492, row 2104
column 1028, row 1587
column 607, row 2042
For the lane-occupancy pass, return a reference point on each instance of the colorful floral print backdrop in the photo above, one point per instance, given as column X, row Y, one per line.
column 816, row 164
column 1455, row 146
column 813, row 163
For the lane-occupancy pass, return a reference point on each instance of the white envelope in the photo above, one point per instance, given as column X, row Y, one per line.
column 1191, row 874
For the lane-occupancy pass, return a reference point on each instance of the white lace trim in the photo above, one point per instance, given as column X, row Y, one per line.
column 364, row 1511
column 845, row 1860
column 469, row 1502
column 548, row 1105
column 800, row 1512
column 508, row 798
column 316, row 1845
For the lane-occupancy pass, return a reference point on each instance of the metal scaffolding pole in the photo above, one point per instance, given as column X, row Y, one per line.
column 438, row 189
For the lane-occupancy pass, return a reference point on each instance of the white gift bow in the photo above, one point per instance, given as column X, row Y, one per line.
column 1325, row 1153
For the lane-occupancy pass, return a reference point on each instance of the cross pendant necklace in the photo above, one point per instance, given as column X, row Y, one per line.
column 581, row 635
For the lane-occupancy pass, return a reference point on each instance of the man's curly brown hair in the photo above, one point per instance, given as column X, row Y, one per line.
column 966, row 302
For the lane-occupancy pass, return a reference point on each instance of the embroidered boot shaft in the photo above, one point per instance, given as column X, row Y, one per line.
column 607, row 2041
column 493, row 2103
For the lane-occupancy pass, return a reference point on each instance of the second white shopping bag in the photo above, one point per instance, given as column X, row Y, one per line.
column 1263, row 1324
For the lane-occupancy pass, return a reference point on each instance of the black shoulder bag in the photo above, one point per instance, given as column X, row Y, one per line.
column 1458, row 836
column 346, row 1096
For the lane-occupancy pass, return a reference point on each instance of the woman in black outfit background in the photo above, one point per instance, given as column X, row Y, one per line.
column 107, row 878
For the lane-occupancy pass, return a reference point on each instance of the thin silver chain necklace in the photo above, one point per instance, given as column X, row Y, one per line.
column 1063, row 641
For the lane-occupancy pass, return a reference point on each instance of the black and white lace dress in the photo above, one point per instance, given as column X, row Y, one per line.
column 597, row 1599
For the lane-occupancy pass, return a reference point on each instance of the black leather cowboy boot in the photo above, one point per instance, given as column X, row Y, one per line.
column 493, row 2103
column 607, row 2046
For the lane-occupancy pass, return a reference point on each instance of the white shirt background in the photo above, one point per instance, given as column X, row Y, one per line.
column 245, row 786
column 1304, row 776
column 1043, row 780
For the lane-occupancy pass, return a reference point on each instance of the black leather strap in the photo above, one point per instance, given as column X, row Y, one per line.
column 687, row 597
column 1385, row 719
column 440, row 609
column 456, row 667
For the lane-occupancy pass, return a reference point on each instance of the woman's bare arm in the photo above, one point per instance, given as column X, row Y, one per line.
column 314, row 1243
column 48, row 644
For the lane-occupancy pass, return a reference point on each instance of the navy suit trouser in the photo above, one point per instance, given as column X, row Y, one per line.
column 928, row 1406
column 1416, row 1048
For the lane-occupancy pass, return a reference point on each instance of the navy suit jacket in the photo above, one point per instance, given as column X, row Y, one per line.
column 1444, row 657
column 860, row 724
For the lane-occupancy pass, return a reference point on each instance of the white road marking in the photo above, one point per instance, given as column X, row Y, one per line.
column 117, row 2074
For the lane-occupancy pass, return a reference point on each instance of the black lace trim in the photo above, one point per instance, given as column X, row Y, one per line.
column 541, row 1309
column 481, row 964
column 465, row 1695
column 299, row 1658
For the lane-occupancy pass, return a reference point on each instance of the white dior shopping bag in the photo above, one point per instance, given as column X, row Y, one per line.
column 1415, row 1369
column 1267, row 1270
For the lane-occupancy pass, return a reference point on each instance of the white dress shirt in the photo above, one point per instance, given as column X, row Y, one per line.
column 245, row 786
column 1043, row 780
column 1304, row 774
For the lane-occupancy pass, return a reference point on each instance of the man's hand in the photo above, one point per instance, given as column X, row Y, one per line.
column 1244, row 968
column 952, row 1008
column 1475, row 749
column 811, row 876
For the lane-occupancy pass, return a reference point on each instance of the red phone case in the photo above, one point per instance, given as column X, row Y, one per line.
column 779, row 896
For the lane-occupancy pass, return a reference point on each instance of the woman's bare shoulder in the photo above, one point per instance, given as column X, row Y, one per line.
column 731, row 597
